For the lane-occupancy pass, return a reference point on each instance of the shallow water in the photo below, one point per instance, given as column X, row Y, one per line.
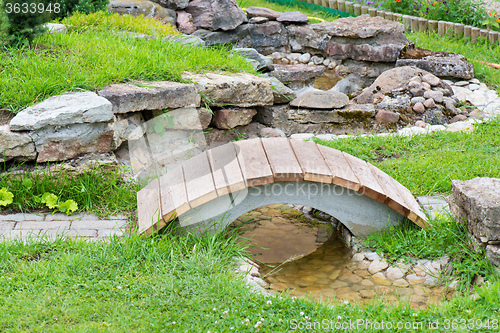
column 303, row 259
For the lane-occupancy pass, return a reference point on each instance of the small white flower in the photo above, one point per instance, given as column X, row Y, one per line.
column 119, row 287
column 301, row 313
column 468, row 311
column 306, row 318
column 261, row 319
column 173, row 323
column 414, row 314
column 269, row 302
column 346, row 302
column 280, row 320
column 231, row 328
column 216, row 321
column 214, row 309
column 258, row 324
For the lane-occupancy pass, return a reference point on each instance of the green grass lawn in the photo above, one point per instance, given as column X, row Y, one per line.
column 177, row 284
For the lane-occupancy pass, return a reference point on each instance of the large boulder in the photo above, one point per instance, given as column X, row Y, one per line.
column 216, row 14
column 395, row 81
column 158, row 95
column 242, row 89
column 14, row 145
column 55, row 143
column 358, row 38
column 63, row 110
column 185, row 22
column 143, row 7
column 476, row 203
column 442, row 64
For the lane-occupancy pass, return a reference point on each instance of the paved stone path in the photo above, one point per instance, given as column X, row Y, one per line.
column 89, row 226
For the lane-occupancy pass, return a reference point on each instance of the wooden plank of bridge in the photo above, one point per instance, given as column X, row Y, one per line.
column 284, row 164
column 311, row 161
column 149, row 217
column 226, row 169
column 369, row 184
column 174, row 201
column 200, row 186
column 341, row 170
column 394, row 199
column 416, row 215
column 253, row 162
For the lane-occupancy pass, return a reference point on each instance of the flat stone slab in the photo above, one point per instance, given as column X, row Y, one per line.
column 442, row 65
column 292, row 73
column 241, row 89
column 62, row 110
column 321, row 100
column 156, row 95
column 270, row 14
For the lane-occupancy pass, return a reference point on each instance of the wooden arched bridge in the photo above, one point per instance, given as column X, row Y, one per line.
column 212, row 189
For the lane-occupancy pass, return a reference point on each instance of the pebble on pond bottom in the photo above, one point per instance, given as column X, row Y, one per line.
column 325, row 269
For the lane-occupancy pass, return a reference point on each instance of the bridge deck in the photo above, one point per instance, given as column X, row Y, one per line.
column 236, row 165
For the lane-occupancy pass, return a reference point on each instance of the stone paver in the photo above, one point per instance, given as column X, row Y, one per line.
column 87, row 226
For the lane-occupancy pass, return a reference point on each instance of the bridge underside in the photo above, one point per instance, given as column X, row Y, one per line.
column 360, row 214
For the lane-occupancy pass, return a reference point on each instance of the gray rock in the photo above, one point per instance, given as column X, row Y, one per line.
column 293, row 18
column 17, row 146
column 282, row 94
column 317, row 60
column 419, row 107
column 458, row 117
column 321, row 100
column 258, row 20
column 435, row 116
column 345, row 86
column 493, row 254
column 62, row 110
column 304, row 58
column 185, row 22
column 476, row 203
column 56, row 143
column 143, row 7
column 189, row 40
column 274, row 115
column 416, row 100
column 296, row 73
column 243, row 89
column 429, row 103
column 346, row 115
column 216, row 14
column 361, row 38
column 55, row 27
column 173, row 4
column 426, row 86
column 232, row 117
column 269, row 132
column 259, row 61
column 400, row 103
column 385, row 117
column 431, row 79
column 127, row 127
column 442, row 65
column 450, row 106
column 461, row 83
column 357, row 112
column 437, row 96
column 150, row 96
column 262, row 12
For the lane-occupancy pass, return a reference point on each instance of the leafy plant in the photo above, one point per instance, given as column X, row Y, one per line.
column 492, row 21
column 6, row 197
column 52, row 201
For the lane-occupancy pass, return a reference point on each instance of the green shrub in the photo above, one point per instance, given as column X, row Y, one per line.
column 23, row 21
column 69, row 7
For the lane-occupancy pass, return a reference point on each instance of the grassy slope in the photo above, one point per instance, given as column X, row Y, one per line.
column 88, row 60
